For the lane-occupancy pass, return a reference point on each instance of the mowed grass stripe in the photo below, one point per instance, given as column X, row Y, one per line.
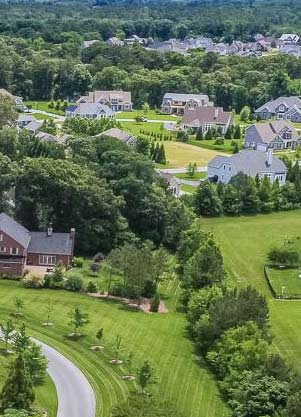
column 159, row 338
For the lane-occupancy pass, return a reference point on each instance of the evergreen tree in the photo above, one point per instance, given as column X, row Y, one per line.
column 231, row 202
column 207, row 202
column 235, row 147
column 199, row 134
column 208, row 134
column 18, row 389
column 237, row 132
column 228, row 134
column 265, row 196
column 245, row 114
column 162, row 157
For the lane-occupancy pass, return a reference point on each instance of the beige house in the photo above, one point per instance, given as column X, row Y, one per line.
column 116, row 100
column 176, row 104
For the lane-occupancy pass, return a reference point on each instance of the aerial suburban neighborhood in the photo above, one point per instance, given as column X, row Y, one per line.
column 150, row 208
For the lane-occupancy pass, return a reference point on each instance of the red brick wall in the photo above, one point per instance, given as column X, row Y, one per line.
column 33, row 259
column 8, row 242
column 11, row 269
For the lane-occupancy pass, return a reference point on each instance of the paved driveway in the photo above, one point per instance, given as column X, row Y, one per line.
column 75, row 395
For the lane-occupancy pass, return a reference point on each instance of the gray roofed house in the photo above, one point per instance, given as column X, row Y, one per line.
column 24, row 119
column 34, row 126
column 19, row 247
column 18, row 100
column 117, row 100
column 174, row 184
column 14, row 229
column 119, row 134
column 175, row 103
column 55, row 243
column 249, row 162
column 277, row 134
column 90, row 111
column 207, row 118
column 283, row 108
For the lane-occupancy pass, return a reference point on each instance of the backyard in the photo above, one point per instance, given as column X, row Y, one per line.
column 181, row 376
column 245, row 242
column 285, row 281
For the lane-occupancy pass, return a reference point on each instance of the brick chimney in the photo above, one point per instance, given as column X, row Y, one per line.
column 72, row 237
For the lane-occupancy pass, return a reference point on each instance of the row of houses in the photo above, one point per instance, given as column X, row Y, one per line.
column 255, row 47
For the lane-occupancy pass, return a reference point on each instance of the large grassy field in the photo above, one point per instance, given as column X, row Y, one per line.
column 180, row 154
column 159, row 338
column 245, row 242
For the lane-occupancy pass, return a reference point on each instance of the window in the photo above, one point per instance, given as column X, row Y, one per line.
column 230, row 169
column 47, row 260
column 1, row 237
column 2, row 249
column 14, row 251
column 224, row 167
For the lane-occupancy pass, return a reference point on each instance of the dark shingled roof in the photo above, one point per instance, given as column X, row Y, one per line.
column 57, row 243
column 13, row 229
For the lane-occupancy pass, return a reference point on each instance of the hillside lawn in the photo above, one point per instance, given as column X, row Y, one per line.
column 245, row 242
column 161, row 338
column 46, row 397
column 288, row 278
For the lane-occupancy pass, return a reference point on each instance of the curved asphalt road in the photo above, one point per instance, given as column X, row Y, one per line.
column 75, row 395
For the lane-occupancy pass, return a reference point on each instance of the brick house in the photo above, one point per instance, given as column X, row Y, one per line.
column 20, row 247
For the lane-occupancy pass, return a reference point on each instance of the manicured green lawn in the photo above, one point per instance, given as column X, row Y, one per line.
column 209, row 144
column 245, row 242
column 160, row 338
column 137, row 128
column 285, row 281
column 150, row 115
column 179, row 155
column 188, row 188
column 40, row 116
column 46, row 397
column 43, row 105
column 197, row 176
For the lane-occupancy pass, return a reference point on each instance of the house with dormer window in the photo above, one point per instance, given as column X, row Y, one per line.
column 283, row 108
column 89, row 111
column 277, row 134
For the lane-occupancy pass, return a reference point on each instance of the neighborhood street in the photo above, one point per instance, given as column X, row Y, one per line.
column 75, row 395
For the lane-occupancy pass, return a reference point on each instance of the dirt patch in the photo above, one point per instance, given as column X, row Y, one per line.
column 144, row 302
column 97, row 348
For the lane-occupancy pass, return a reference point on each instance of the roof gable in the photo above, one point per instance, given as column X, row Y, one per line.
column 15, row 230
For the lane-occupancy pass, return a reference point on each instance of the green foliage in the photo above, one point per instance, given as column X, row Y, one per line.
column 78, row 262
column 8, row 113
column 207, row 202
column 145, row 407
column 284, row 256
column 145, row 375
column 17, row 391
column 91, row 287
column 78, row 319
column 155, row 303
column 73, row 283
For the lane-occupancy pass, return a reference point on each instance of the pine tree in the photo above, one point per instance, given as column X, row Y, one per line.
column 208, row 135
column 237, row 132
column 18, row 389
column 235, row 147
column 228, row 134
column 152, row 150
column 162, row 155
column 199, row 134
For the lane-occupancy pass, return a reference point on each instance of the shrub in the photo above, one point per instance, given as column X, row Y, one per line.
column 95, row 267
column 155, row 303
column 73, row 283
column 78, row 262
column 91, row 287
column 219, row 141
column 283, row 256
column 99, row 257
column 32, row 280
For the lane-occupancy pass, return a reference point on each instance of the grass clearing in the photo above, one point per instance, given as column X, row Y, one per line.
column 150, row 115
column 196, row 176
column 245, row 242
column 160, row 338
column 43, row 105
column 137, row 128
column 285, row 281
column 188, row 188
column 210, row 144
column 180, row 154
